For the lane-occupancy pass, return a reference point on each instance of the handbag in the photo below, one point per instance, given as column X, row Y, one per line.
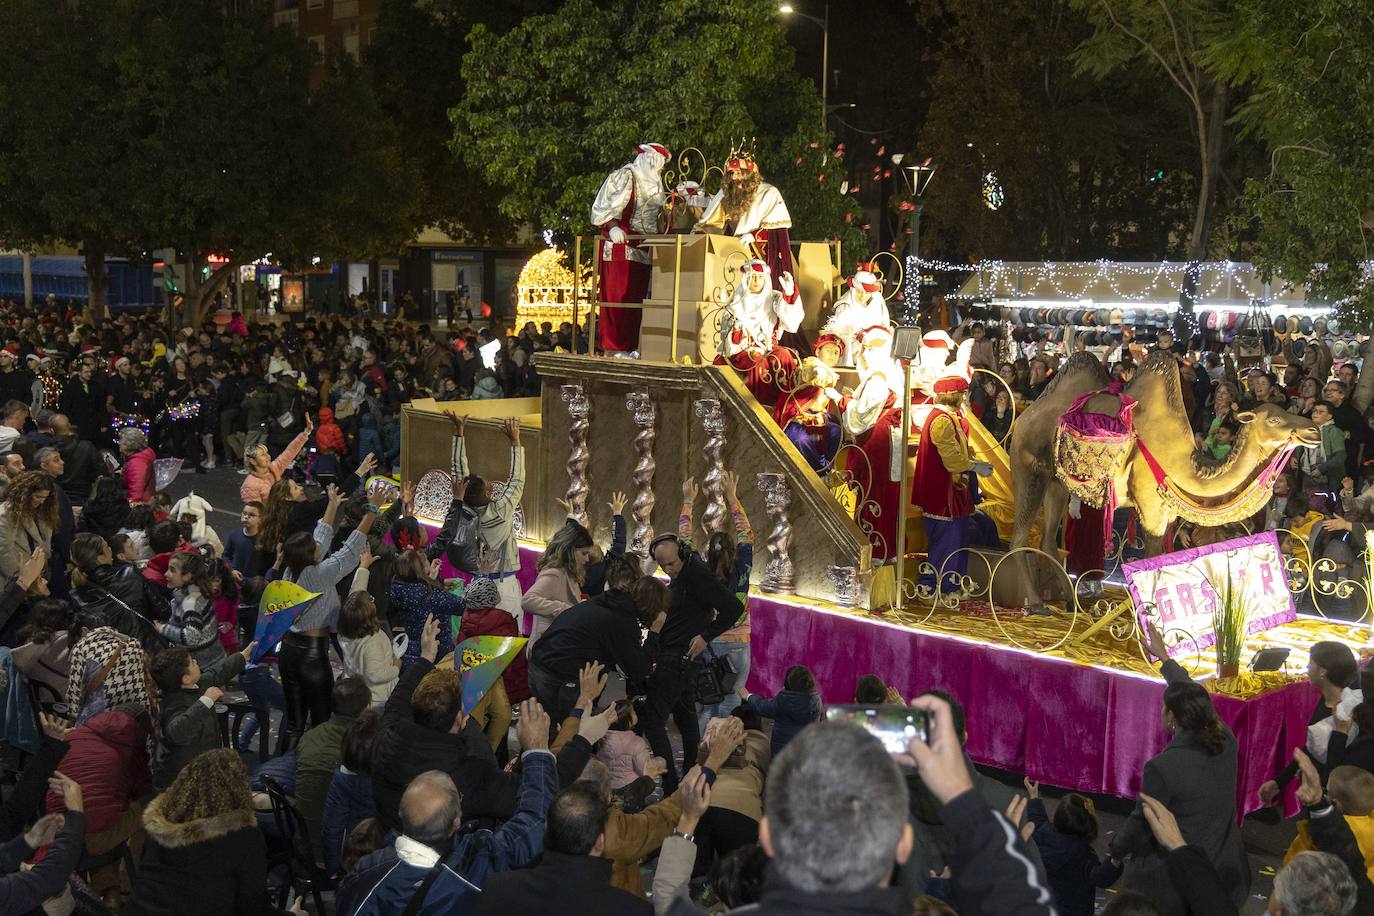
column 714, row 677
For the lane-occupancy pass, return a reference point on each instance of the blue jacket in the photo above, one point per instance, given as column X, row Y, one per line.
column 384, row 881
column 348, row 803
column 791, row 711
column 1071, row 865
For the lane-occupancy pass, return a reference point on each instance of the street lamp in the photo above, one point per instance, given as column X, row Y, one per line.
column 787, row 9
column 916, row 177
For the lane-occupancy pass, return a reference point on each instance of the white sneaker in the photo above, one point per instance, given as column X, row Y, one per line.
column 243, row 472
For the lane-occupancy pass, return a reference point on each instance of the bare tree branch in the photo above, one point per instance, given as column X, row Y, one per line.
column 1154, row 52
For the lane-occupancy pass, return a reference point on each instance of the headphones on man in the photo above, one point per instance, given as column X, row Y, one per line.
column 684, row 550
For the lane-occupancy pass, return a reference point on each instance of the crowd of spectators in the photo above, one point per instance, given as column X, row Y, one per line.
column 164, row 765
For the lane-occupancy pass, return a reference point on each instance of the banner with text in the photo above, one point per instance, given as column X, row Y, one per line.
column 1179, row 590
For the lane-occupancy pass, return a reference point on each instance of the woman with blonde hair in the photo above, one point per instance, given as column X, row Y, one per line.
column 203, row 851
column 27, row 519
column 562, row 570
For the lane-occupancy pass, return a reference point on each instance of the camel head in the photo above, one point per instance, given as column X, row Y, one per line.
column 1272, row 428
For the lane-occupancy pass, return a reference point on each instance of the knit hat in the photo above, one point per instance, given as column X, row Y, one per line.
column 481, row 593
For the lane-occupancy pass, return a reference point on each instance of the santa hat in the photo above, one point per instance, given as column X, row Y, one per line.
column 865, row 279
column 654, row 148
column 34, row 357
column 89, row 348
column 118, row 361
column 756, row 266
column 11, row 352
column 826, row 339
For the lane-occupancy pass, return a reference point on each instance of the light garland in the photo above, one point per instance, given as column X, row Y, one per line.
column 180, row 413
column 129, row 421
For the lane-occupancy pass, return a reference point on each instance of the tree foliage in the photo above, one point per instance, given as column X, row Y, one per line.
column 1313, row 206
column 139, row 124
column 1091, row 167
column 557, row 102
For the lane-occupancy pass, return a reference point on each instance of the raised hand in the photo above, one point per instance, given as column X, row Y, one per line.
column 408, row 497
column 941, row 762
column 689, row 490
column 731, row 482
column 512, row 429
column 213, row 694
column 564, row 504
column 590, row 682
column 248, row 650
column 1016, row 813
column 1310, row 791
column 309, row 424
column 459, row 424
column 696, row 798
column 1154, row 641
column 1032, row 788
column 533, row 730
column 429, row 639
column 335, row 497
column 367, row 465
column 617, row 503
column 367, row 558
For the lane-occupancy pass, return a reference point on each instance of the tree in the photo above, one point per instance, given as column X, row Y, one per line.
column 554, row 104
column 1179, row 38
column 1091, row 167
column 413, row 61
column 138, row 124
column 1313, row 207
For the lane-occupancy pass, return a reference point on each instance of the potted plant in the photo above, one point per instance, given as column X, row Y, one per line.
column 1229, row 619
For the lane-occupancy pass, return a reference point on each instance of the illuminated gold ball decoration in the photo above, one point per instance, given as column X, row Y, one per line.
column 545, row 289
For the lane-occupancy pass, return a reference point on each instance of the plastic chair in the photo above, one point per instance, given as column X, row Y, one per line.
column 304, row 872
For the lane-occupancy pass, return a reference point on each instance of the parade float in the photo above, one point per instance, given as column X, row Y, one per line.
column 902, row 538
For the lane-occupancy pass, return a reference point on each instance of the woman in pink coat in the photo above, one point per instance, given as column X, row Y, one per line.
column 264, row 470
column 138, row 464
column 562, row 570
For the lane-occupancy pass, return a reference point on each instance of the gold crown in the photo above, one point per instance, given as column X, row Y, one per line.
column 742, row 156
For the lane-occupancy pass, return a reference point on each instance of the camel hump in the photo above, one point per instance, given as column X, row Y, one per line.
column 1105, row 403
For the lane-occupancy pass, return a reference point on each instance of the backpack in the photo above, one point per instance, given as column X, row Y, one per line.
column 460, row 540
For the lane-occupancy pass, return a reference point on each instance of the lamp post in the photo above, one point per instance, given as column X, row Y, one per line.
column 917, row 177
column 787, row 9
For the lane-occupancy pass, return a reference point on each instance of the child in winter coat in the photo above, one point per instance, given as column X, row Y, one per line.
column 192, row 624
column 1066, row 847
column 329, row 435
column 626, row 754
column 189, row 725
column 792, row 710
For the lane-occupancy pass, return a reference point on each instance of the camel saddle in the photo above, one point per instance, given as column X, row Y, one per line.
column 1090, row 448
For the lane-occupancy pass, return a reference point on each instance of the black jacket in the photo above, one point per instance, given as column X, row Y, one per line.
column 82, row 465
column 603, row 629
column 213, row 866
column 1200, row 789
column 403, row 749
column 992, row 874
column 1197, row 882
column 1357, row 753
column 702, row 606
column 561, row 885
column 126, row 600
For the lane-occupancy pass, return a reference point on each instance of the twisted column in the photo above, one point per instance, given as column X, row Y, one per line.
column 713, row 481
column 578, row 409
column 644, row 413
column 778, row 576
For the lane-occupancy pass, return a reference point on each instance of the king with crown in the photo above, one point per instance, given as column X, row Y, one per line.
column 753, row 211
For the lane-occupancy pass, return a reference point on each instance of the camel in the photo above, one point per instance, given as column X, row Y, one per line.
column 1162, row 425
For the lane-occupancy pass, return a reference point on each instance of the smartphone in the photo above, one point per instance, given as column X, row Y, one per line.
column 895, row 726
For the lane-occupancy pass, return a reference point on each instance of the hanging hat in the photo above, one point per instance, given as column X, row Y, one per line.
column 865, row 279
column 653, row 148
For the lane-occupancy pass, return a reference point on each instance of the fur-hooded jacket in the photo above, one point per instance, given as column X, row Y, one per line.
column 211, row 866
